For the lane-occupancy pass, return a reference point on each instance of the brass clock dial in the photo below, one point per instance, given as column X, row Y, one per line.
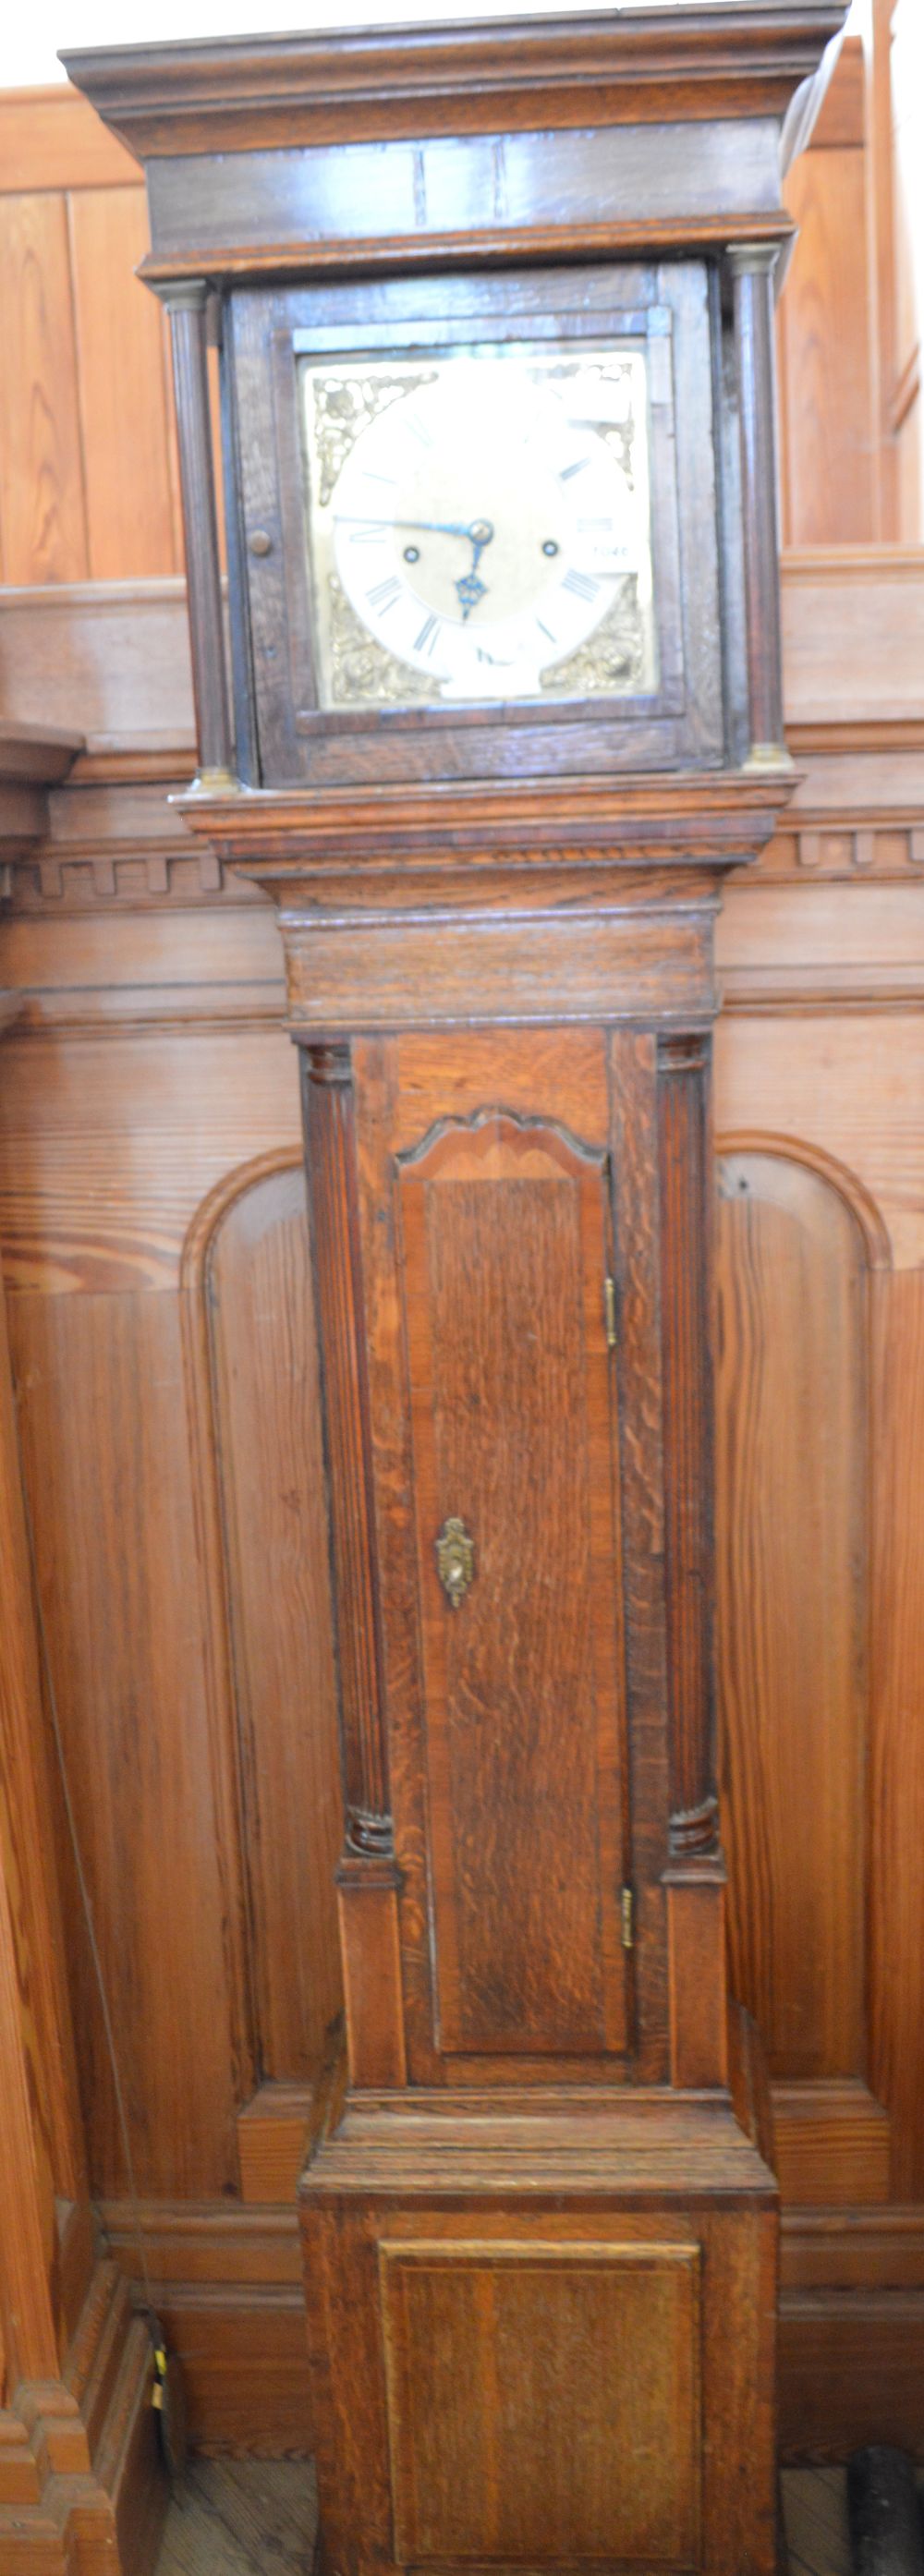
column 479, row 527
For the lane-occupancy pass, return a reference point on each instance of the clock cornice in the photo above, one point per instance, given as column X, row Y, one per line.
column 734, row 59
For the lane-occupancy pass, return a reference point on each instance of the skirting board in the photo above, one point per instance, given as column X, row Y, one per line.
column 228, row 2288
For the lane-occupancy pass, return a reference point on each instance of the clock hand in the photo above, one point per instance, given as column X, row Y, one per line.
column 478, row 531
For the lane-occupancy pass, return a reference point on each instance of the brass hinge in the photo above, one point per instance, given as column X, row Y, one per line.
column 609, row 1310
column 628, row 1926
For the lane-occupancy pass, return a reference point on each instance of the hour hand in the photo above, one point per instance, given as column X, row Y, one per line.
column 469, row 589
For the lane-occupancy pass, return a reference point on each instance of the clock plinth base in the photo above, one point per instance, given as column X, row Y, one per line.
column 534, row 2321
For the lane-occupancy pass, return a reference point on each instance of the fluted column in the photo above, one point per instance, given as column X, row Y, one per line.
column 752, row 266
column 186, row 306
column 331, row 1151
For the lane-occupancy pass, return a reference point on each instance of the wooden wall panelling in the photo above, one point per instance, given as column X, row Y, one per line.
column 792, row 1556
column 28, row 1860
column 249, row 1321
column 122, row 390
column 89, row 484
column 43, row 533
column 849, row 1082
column 50, row 138
column 109, row 1142
column 81, row 2479
column 897, row 1756
column 227, row 2284
column 111, row 660
column 827, row 446
column 905, row 422
column 101, row 1405
column 895, row 69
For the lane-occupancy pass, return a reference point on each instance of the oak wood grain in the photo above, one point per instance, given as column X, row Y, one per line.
column 505, row 1242
column 395, row 80
column 537, row 2449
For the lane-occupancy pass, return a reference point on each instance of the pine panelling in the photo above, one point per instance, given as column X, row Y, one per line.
column 256, row 1286
column 52, row 138
column 792, row 1550
column 904, row 386
column 828, row 453
column 89, row 483
column 122, row 390
column 100, row 1387
column 42, row 519
column 106, row 1152
column 851, row 1084
column 832, row 2145
column 897, row 1781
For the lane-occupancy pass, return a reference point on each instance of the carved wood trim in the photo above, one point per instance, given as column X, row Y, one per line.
column 499, row 1126
column 330, row 1140
column 82, row 2481
column 795, row 1149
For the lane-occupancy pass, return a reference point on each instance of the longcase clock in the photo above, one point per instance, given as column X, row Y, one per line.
column 495, row 313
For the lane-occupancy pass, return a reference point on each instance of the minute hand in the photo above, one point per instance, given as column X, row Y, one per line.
column 478, row 531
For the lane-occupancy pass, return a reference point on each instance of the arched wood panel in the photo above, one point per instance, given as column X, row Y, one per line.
column 247, row 1278
column 793, row 1580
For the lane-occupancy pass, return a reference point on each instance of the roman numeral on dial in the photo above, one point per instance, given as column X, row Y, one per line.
column 424, row 642
column 580, row 585
column 384, row 593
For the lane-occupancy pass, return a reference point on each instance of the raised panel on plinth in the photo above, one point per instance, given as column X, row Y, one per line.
column 559, row 2416
column 505, row 1229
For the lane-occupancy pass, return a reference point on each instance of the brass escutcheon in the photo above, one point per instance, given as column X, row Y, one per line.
column 455, row 1561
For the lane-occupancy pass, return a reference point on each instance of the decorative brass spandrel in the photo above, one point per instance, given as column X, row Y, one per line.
column 455, row 1560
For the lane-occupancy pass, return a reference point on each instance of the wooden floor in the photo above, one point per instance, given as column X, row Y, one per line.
column 257, row 2518
column 815, row 2513
column 241, row 2518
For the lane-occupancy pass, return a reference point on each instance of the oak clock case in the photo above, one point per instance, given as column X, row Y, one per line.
column 496, row 314
column 460, row 513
